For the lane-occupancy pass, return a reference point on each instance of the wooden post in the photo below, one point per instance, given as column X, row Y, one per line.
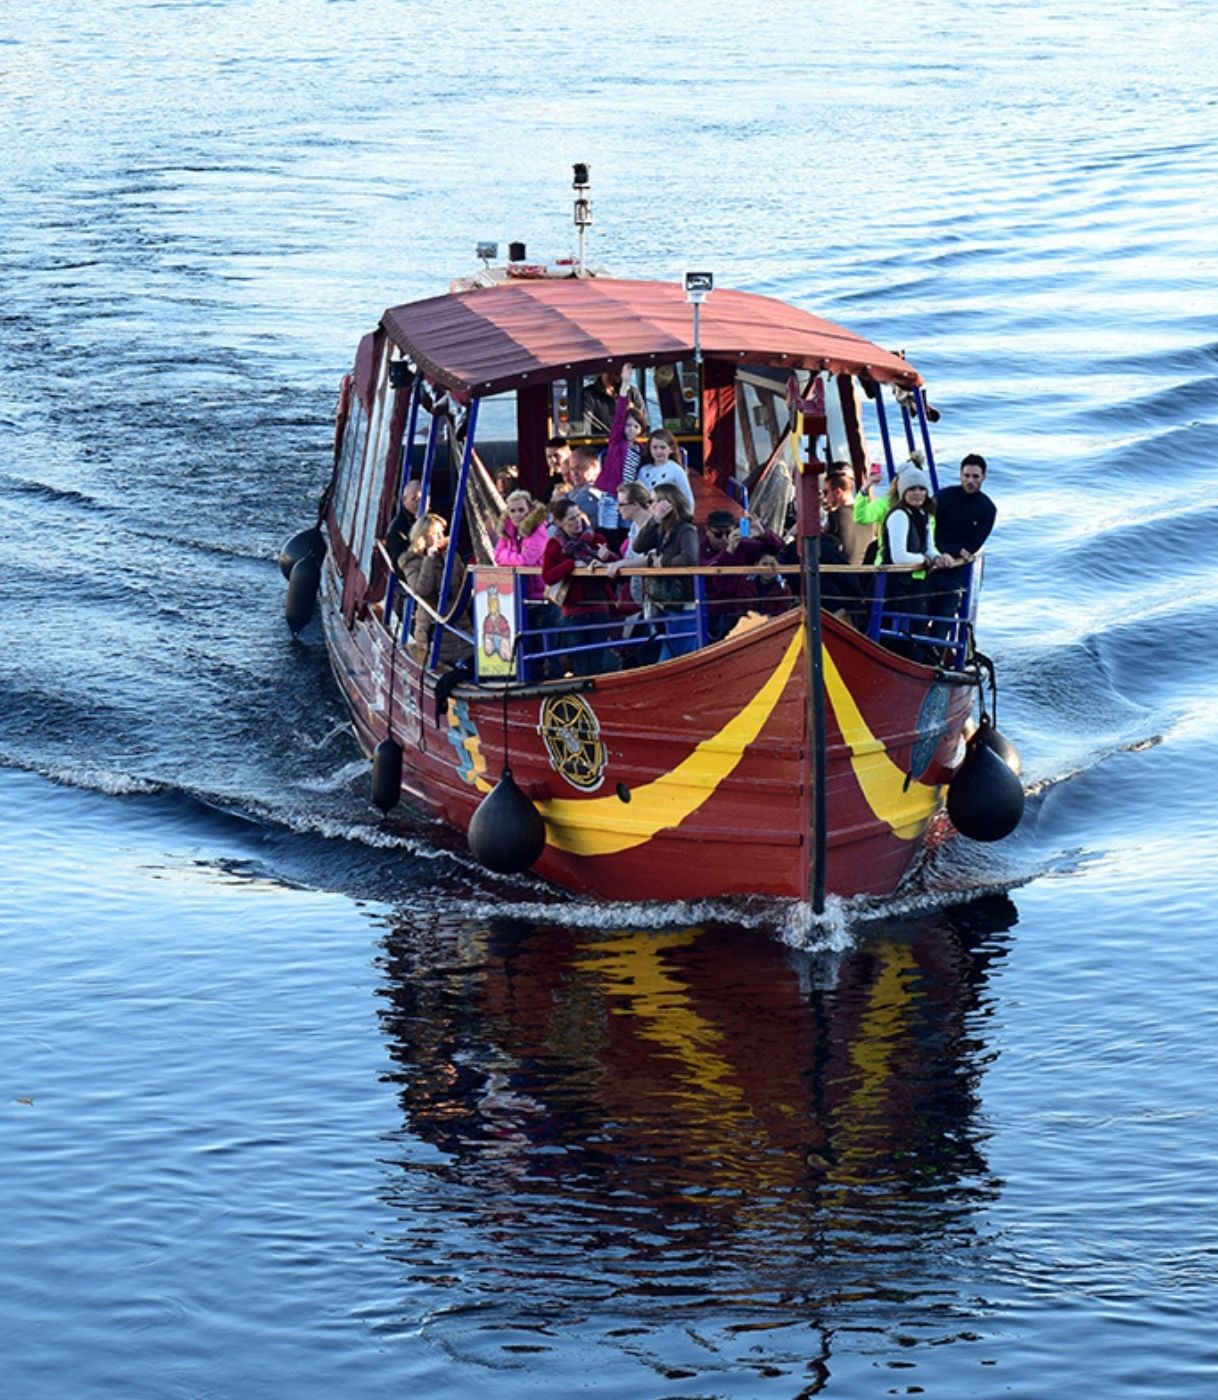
column 814, row 423
column 532, row 429
column 718, row 422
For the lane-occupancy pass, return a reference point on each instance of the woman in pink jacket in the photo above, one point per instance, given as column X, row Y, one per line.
column 522, row 539
column 521, row 543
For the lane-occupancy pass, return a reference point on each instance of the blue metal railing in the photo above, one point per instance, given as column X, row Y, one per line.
column 540, row 650
column 934, row 638
column 610, row 640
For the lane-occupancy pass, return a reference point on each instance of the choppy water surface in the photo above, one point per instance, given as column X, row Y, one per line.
column 298, row 1103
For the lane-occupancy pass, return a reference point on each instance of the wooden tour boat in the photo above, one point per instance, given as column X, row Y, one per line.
column 806, row 752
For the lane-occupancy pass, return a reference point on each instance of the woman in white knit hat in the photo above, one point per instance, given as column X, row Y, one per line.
column 909, row 539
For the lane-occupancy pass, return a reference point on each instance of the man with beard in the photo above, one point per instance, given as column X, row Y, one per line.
column 964, row 517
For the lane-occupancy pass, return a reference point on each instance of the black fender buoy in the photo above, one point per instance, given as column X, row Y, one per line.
column 306, row 542
column 301, row 598
column 985, row 796
column 387, row 774
column 986, row 734
column 506, row 833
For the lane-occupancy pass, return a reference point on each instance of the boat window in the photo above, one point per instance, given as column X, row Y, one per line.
column 839, row 438
column 764, row 452
column 671, row 393
column 763, row 419
column 583, row 408
column 351, row 454
column 497, row 419
column 368, row 496
column 380, row 452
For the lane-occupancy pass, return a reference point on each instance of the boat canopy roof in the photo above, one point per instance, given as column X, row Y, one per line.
column 520, row 333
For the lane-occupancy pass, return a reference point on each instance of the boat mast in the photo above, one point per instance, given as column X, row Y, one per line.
column 811, row 420
column 583, row 214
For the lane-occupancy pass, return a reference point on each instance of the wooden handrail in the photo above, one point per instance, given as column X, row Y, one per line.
column 706, row 570
column 711, row 570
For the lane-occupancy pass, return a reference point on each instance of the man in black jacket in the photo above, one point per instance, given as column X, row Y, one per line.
column 397, row 536
column 964, row 517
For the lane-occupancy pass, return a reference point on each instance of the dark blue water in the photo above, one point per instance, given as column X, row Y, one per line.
column 299, row 1103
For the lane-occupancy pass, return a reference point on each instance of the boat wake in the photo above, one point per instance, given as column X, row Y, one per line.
column 417, row 870
column 959, row 872
column 44, row 491
column 107, row 781
column 345, row 777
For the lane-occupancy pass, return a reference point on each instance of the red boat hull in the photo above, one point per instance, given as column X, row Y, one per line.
column 684, row 780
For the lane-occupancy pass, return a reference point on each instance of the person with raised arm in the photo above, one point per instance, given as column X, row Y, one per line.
column 620, row 463
column 621, row 460
column 601, row 399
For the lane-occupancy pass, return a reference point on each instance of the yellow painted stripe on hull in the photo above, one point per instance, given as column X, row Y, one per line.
column 906, row 810
column 603, row 826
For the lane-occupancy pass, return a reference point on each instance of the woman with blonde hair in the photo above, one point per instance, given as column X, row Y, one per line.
column 522, row 544
column 421, row 566
column 522, row 538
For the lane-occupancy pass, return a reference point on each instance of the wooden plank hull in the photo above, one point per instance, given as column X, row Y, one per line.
column 683, row 780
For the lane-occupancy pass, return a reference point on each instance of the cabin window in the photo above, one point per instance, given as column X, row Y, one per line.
column 672, row 396
column 763, row 418
column 763, row 435
column 359, row 506
column 582, row 408
column 380, row 449
column 351, row 454
column 839, row 436
column 497, row 428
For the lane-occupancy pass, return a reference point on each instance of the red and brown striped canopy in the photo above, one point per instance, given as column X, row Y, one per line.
column 520, row 333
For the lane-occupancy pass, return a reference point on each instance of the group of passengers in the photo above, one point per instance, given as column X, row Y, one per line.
column 631, row 618
column 631, row 454
column 633, row 506
column 939, row 536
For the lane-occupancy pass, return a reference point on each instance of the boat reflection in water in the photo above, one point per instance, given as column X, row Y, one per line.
column 636, row 1134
